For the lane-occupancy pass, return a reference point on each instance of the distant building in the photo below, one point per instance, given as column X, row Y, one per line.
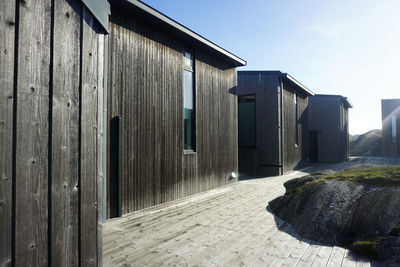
column 391, row 127
column 272, row 119
column 329, row 128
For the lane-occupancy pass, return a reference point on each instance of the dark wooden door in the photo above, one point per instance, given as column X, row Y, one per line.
column 314, row 146
column 115, row 167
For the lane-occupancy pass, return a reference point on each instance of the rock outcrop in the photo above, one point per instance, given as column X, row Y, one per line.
column 341, row 212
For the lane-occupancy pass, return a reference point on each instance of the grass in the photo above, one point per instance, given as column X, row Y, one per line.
column 367, row 247
column 377, row 176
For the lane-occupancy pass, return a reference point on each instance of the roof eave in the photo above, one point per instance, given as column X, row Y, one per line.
column 238, row 62
column 293, row 80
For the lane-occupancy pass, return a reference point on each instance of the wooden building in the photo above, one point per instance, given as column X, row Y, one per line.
column 51, row 126
column 102, row 115
column 170, row 93
column 391, row 127
column 329, row 128
column 273, row 128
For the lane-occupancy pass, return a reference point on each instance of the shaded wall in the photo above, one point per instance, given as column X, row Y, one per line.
column 146, row 90
column 265, row 159
column 295, row 155
column 390, row 107
column 329, row 117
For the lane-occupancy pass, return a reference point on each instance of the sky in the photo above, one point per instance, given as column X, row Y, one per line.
column 345, row 47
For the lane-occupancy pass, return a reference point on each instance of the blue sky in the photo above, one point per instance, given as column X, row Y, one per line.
column 342, row 47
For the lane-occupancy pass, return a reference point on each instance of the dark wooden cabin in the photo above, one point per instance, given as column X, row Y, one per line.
column 171, row 111
column 391, row 127
column 273, row 129
column 51, row 127
column 329, row 128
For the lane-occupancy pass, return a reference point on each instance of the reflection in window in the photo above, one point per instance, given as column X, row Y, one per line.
column 188, row 103
column 247, row 121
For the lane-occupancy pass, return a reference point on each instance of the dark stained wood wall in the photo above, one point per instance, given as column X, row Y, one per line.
column 329, row 117
column 390, row 107
column 51, row 79
column 295, row 156
column 146, row 90
column 266, row 154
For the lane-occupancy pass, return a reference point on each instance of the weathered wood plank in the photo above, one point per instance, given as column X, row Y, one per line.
column 100, row 144
column 88, row 179
column 7, row 35
column 65, row 134
column 32, row 133
column 336, row 257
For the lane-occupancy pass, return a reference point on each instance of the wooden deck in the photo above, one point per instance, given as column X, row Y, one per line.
column 228, row 226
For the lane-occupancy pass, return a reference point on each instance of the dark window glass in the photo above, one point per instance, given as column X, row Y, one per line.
column 188, row 103
column 247, row 121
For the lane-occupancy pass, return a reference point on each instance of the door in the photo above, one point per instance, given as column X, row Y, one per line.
column 313, row 146
column 115, row 167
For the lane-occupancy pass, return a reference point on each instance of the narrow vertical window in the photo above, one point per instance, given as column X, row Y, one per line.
column 247, row 121
column 296, row 120
column 189, row 102
column 394, row 129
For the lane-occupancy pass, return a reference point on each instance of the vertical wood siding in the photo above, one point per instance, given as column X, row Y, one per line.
column 266, row 154
column 65, row 134
column 265, row 159
column 295, row 155
column 390, row 107
column 146, row 90
column 50, row 114
column 32, row 133
column 329, row 117
column 7, row 48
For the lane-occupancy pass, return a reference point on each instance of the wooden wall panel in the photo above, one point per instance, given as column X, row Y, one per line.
column 32, row 132
column 325, row 118
column 390, row 107
column 51, row 168
column 7, row 36
column 65, row 134
column 89, row 127
column 294, row 155
column 146, row 89
column 265, row 87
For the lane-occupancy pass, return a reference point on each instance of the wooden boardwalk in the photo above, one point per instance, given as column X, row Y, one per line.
column 228, row 226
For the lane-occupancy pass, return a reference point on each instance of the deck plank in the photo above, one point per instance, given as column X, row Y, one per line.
column 227, row 226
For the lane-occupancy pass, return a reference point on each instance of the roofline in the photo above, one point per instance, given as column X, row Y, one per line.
column 282, row 75
column 345, row 99
column 176, row 25
column 293, row 80
column 390, row 99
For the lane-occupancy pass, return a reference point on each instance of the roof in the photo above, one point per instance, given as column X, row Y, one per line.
column 166, row 21
column 345, row 100
column 283, row 75
column 100, row 10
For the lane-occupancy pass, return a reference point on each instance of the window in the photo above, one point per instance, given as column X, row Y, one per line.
column 394, row 129
column 296, row 120
column 189, row 103
column 247, row 121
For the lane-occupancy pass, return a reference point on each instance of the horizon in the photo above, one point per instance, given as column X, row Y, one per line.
column 341, row 48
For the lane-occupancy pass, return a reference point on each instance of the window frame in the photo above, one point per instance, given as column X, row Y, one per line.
column 193, row 124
